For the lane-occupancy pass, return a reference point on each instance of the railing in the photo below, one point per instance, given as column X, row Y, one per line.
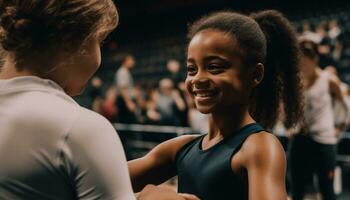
column 154, row 129
column 137, row 137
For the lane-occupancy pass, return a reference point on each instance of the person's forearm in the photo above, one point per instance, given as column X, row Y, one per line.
column 136, row 176
column 180, row 104
column 142, row 173
column 345, row 122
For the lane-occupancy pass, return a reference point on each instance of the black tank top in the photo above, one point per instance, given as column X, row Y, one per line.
column 208, row 173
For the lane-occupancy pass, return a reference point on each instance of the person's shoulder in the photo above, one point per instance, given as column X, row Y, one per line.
column 89, row 115
column 262, row 147
column 90, row 126
column 51, row 104
column 263, row 140
column 89, row 121
column 182, row 140
column 328, row 76
column 122, row 70
column 55, row 100
column 44, row 111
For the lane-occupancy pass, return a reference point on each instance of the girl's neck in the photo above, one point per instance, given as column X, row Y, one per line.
column 224, row 124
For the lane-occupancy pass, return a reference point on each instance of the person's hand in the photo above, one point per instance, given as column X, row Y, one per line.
column 175, row 94
column 153, row 115
column 182, row 86
column 339, row 132
column 152, row 192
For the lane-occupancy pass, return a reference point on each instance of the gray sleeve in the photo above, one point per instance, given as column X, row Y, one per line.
column 98, row 158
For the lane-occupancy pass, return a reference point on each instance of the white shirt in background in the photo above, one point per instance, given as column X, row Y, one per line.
column 319, row 118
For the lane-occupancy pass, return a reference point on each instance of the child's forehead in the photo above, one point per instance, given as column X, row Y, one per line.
column 215, row 41
column 213, row 34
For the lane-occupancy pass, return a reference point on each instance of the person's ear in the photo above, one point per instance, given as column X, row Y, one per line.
column 257, row 74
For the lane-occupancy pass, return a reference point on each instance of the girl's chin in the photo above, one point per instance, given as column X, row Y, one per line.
column 205, row 109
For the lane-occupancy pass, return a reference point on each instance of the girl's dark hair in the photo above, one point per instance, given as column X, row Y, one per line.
column 264, row 37
column 309, row 49
column 34, row 27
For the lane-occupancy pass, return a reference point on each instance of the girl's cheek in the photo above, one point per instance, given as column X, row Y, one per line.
column 188, row 84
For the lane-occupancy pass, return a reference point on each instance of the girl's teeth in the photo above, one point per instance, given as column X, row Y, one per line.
column 204, row 94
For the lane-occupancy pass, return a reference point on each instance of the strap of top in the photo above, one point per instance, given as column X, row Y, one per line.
column 236, row 142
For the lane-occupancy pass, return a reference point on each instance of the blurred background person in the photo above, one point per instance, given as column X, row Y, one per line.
column 174, row 72
column 169, row 103
column 313, row 149
column 307, row 33
column 109, row 109
column 334, row 30
column 126, row 99
column 95, row 94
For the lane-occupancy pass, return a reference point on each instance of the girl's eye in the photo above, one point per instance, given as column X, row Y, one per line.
column 191, row 70
column 215, row 68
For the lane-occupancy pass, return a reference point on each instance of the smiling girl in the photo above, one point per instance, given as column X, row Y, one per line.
column 239, row 68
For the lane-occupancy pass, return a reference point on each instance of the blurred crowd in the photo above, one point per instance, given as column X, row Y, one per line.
column 161, row 102
column 328, row 36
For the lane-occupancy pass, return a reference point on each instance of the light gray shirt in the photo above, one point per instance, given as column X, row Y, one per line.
column 124, row 79
column 319, row 117
column 51, row 148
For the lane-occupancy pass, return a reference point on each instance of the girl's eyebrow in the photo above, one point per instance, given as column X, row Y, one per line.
column 191, row 60
column 215, row 57
column 225, row 60
column 209, row 58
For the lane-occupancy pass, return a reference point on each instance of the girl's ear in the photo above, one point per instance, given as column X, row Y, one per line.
column 257, row 74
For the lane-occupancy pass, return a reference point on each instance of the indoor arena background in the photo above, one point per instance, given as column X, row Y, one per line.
column 153, row 34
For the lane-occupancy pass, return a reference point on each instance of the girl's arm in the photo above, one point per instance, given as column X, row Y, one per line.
column 158, row 165
column 263, row 158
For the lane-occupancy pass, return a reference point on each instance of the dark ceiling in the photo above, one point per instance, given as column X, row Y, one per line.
column 141, row 17
column 134, row 7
